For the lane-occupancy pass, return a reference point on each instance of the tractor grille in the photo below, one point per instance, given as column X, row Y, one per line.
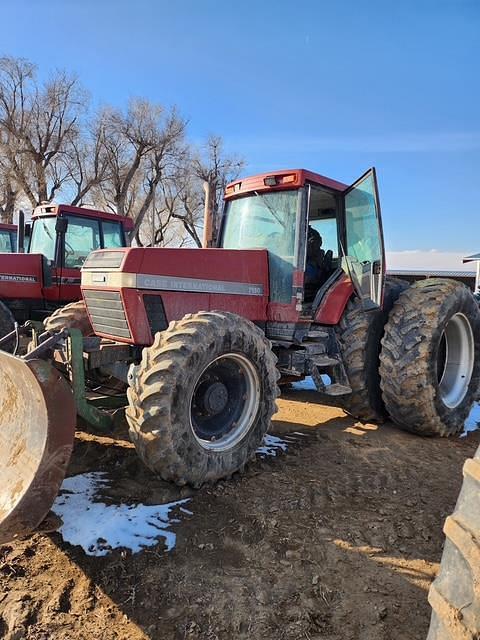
column 107, row 313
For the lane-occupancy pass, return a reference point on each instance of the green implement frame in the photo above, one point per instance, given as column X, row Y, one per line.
column 91, row 409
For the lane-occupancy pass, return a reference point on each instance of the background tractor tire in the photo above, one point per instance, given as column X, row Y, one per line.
column 455, row 594
column 359, row 335
column 75, row 316
column 430, row 358
column 7, row 324
column 208, row 371
column 72, row 316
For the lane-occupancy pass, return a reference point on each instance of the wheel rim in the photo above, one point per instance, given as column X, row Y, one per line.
column 224, row 402
column 455, row 359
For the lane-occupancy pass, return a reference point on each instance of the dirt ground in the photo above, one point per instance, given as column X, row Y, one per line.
column 338, row 538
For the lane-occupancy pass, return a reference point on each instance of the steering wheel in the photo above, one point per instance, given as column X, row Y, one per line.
column 69, row 250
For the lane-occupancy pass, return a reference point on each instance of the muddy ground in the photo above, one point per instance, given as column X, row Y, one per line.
column 338, row 538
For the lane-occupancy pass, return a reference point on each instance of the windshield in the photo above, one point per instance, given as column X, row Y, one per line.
column 266, row 221
column 44, row 237
column 263, row 221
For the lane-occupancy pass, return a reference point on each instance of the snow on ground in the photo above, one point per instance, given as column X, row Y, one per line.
column 308, row 384
column 100, row 527
column 272, row 445
column 472, row 423
column 305, row 385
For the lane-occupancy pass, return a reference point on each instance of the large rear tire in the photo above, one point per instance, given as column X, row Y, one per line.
column 430, row 358
column 202, row 398
column 455, row 594
column 7, row 324
column 359, row 335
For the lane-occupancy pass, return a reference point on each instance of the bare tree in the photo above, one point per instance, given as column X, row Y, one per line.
column 38, row 124
column 218, row 169
column 133, row 162
column 8, row 196
column 183, row 195
column 86, row 163
column 139, row 147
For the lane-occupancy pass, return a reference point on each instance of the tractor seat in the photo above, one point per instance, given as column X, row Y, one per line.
column 318, row 266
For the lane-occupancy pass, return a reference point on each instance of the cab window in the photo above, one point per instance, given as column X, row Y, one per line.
column 5, row 242
column 82, row 237
column 44, row 238
column 112, row 235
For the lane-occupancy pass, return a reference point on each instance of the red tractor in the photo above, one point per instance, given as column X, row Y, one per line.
column 8, row 238
column 295, row 287
column 34, row 284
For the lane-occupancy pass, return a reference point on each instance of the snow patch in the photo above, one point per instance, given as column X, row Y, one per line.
column 100, row 527
column 305, row 385
column 272, row 445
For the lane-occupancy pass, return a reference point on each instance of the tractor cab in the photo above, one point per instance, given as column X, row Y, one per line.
column 66, row 235
column 318, row 233
column 46, row 273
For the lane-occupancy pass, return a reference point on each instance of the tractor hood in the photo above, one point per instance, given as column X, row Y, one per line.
column 22, row 275
column 180, row 280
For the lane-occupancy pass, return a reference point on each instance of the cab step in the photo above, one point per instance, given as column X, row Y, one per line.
column 336, row 389
column 317, row 334
column 325, row 361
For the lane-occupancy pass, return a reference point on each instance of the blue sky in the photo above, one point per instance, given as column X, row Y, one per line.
column 330, row 86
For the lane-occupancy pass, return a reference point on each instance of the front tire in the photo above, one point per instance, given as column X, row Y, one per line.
column 202, row 398
column 430, row 359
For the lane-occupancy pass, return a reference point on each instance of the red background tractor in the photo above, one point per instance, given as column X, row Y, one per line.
column 34, row 284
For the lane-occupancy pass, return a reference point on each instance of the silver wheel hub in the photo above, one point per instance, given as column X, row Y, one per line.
column 455, row 360
column 224, row 402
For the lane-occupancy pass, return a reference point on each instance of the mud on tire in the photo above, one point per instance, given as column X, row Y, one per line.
column 455, row 594
column 359, row 336
column 177, row 388
column 430, row 358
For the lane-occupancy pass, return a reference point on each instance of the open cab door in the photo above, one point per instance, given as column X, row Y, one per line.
column 364, row 259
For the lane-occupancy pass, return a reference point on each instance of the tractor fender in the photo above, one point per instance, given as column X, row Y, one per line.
column 334, row 302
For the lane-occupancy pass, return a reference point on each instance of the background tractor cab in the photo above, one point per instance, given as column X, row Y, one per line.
column 8, row 238
column 58, row 241
column 322, row 237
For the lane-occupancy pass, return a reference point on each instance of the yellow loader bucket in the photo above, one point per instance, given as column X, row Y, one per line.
column 37, row 430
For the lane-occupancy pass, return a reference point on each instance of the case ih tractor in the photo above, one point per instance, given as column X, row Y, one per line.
column 34, row 284
column 202, row 338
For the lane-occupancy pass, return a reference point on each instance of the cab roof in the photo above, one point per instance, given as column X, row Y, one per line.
column 280, row 179
column 8, row 227
column 45, row 210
